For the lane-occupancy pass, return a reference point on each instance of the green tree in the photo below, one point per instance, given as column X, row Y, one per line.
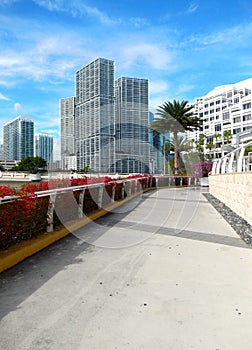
column 216, row 136
column 210, row 145
column 184, row 145
column 191, row 158
column 199, row 144
column 84, row 170
column 227, row 136
column 176, row 117
column 248, row 150
column 31, row 164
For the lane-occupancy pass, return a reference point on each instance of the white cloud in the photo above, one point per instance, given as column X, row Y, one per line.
column 47, row 121
column 184, row 88
column 154, row 55
column 193, row 7
column 50, row 56
column 138, row 21
column 233, row 36
column 5, row 98
column 53, row 132
column 17, row 106
column 7, row 2
column 156, row 87
column 5, row 83
column 157, row 101
column 51, row 5
column 93, row 11
column 77, row 8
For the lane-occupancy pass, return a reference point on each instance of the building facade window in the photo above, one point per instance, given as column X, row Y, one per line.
column 246, row 117
column 236, row 131
column 246, row 105
column 237, row 119
column 225, row 116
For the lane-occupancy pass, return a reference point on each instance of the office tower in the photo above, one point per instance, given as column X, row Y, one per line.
column 1, row 152
column 157, row 142
column 225, row 108
column 44, row 147
column 94, row 116
column 67, row 112
column 132, row 121
column 18, row 138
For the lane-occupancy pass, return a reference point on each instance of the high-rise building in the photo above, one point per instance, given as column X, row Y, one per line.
column 94, row 116
column 227, row 109
column 44, row 147
column 132, row 120
column 1, row 152
column 156, row 141
column 67, row 112
column 18, row 138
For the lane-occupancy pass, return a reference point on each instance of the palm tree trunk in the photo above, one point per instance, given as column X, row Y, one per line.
column 176, row 153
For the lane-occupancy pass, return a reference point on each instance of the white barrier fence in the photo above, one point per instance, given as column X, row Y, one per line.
column 128, row 188
column 233, row 162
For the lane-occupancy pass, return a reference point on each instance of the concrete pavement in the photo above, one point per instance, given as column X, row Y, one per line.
column 164, row 271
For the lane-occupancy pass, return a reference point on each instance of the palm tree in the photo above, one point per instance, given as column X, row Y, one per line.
column 184, row 145
column 210, row 146
column 227, row 135
column 176, row 117
column 199, row 144
column 216, row 136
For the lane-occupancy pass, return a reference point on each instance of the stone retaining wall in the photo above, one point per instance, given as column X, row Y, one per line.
column 234, row 190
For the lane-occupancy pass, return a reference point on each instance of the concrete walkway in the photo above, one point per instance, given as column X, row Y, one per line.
column 165, row 271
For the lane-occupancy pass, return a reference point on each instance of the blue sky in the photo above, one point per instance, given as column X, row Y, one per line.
column 185, row 48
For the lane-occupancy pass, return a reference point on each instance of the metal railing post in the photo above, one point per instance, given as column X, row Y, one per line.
column 240, row 158
column 80, row 204
column 50, row 212
column 113, row 193
column 99, row 200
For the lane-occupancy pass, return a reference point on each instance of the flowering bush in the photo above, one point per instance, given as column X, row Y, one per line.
column 202, row 169
column 27, row 215
column 7, row 191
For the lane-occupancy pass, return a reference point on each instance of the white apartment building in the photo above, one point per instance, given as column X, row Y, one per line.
column 225, row 108
column 70, row 163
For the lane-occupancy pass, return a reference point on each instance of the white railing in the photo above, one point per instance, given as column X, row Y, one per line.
column 233, row 162
column 178, row 180
column 129, row 186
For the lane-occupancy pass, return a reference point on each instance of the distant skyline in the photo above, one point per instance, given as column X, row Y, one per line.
column 184, row 48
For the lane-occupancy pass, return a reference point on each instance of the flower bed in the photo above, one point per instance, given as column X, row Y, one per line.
column 27, row 215
column 202, row 169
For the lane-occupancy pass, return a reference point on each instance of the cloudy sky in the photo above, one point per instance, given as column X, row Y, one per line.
column 185, row 48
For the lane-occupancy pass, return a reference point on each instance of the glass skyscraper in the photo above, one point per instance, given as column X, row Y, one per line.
column 132, row 121
column 44, row 147
column 94, row 116
column 18, row 138
column 67, row 140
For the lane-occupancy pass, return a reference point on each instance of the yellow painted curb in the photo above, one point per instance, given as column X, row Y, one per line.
column 24, row 249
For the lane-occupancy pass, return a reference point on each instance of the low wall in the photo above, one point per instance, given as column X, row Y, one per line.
column 234, row 190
